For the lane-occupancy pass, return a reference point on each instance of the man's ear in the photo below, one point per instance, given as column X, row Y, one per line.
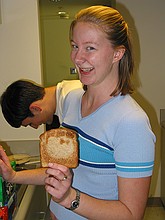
column 35, row 109
column 118, row 54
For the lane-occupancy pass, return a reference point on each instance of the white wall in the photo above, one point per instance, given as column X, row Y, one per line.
column 146, row 20
column 19, row 55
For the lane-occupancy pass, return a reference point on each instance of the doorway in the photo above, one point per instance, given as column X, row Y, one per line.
column 55, row 19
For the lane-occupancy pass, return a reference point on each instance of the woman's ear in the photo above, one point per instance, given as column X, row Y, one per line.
column 35, row 109
column 118, row 54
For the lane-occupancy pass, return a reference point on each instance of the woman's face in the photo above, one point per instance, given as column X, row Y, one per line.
column 93, row 54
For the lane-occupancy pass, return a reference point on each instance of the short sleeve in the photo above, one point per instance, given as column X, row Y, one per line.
column 134, row 146
column 62, row 89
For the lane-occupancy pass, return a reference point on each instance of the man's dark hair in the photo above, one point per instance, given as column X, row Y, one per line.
column 16, row 100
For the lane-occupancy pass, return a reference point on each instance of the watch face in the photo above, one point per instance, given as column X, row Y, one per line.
column 75, row 204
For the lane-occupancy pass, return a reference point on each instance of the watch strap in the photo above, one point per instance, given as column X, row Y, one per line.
column 75, row 202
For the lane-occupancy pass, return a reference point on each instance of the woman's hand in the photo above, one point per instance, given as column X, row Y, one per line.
column 58, row 184
column 6, row 170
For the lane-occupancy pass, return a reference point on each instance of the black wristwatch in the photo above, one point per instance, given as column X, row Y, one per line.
column 75, row 203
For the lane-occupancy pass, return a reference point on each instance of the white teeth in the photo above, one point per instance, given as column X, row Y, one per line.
column 87, row 69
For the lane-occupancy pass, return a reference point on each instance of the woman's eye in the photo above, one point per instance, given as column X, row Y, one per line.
column 90, row 48
column 74, row 46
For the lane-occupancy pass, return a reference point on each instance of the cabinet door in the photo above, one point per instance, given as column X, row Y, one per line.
column 34, row 204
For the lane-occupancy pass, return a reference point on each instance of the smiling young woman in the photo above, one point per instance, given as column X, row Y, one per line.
column 116, row 143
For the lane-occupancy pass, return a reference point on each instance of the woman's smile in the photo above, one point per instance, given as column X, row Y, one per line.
column 85, row 71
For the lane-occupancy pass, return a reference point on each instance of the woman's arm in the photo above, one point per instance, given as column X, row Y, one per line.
column 133, row 194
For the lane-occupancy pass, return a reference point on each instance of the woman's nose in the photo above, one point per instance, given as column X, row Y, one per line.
column 79, row 58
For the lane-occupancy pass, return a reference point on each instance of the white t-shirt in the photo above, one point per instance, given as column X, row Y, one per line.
column 62, row 90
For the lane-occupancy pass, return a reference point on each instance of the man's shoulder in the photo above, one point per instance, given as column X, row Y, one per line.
column 68, row 85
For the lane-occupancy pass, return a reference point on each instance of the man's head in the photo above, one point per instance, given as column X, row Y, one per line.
column 16, row 101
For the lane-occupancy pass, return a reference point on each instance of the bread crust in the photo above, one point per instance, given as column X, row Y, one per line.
column 60, row 146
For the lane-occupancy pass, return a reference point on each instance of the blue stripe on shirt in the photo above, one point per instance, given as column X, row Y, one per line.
column 94, row 153
column 80, row 132
column 134, row 167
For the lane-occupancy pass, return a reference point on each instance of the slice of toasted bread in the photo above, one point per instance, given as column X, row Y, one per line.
column 59, row 146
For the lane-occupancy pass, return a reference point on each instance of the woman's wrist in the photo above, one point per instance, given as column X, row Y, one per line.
column 12, row 177
column 66, row 202
column 75, row 203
